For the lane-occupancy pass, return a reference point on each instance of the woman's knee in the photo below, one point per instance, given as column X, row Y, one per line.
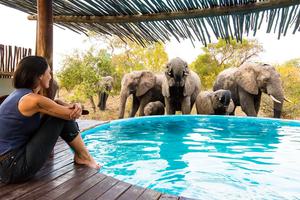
column 70, row 131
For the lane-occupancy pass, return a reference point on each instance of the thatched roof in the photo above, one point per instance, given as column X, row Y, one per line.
column 158, row 20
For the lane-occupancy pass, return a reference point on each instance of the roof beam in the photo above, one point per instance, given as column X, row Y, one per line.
column 6, row 73
column 196, row 13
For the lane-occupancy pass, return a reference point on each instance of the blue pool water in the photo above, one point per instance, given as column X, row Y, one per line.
column 205, row 157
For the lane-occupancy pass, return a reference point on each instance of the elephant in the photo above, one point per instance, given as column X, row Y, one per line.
column 246, row 84
column 154, row 108
column 105, row 86
column 214, row 103
column 180, row 87
column 145, row 87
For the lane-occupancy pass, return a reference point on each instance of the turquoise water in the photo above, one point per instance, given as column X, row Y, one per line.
column 205, row 157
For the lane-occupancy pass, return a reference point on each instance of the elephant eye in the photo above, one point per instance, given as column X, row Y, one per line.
column 170, row 73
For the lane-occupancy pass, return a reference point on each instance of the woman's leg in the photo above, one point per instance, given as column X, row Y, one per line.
column 27, row 160
column 82, row 155
column 42, row 143
column 70, row 135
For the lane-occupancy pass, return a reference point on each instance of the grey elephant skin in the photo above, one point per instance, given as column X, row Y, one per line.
column 246, row 84
column 144, row 86
column 180, row 87
column 105, row 86
column 154, row 108
column 214, row 103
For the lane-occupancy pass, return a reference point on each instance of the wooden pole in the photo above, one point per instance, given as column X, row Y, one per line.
column 186, row 14
column 44, row 36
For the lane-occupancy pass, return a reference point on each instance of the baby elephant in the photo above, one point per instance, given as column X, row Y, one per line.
column 214, row 103
column 154, row 108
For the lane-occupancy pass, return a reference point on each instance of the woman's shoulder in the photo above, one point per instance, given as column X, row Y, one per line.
column 34, row 97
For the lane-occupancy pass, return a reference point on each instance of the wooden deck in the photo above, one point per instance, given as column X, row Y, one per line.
column 61, row 179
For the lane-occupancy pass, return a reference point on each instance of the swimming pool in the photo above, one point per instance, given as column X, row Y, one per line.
column 205, row 157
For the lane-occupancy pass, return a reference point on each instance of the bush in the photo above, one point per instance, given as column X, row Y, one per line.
column 290, row 76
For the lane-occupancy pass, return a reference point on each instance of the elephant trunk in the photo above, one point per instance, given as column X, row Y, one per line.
column 277, row 109
column 103, row 99
column 123, row 98
column 277, row 97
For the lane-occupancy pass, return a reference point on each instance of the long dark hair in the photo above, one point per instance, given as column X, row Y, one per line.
column 28, row 71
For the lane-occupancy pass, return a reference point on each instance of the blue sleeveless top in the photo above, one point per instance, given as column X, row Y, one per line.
column 15, row 128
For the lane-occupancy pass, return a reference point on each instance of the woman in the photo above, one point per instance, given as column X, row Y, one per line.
column 26, row 141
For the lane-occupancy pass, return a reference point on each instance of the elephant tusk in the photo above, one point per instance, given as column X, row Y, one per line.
column 286, row 99
column 274, row 99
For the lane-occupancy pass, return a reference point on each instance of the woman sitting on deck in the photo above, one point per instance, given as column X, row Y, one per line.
column 26, row 140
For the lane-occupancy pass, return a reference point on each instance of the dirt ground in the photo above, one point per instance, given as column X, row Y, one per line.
column 112, row 110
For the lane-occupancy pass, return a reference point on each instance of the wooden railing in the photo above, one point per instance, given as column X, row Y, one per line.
column 9, row 58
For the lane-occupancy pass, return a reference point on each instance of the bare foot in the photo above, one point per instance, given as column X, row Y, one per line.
column 88, row 161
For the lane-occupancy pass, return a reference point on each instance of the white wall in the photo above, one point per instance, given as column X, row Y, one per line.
column 6, row 86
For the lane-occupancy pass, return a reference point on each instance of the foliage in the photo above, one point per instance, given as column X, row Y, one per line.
column 127, row 56
column 82, row 71
column 221, row 55
column 290, row 76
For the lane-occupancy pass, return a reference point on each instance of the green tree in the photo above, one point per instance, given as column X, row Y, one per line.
column 82, row 71
column 128, row 56
column 221, row 55
column 290, row 75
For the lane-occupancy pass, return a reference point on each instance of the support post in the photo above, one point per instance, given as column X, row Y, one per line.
column 44, row 36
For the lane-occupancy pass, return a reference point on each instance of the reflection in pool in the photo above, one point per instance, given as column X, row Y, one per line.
column 205, row 157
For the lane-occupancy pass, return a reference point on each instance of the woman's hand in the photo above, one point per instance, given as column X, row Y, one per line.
column 76, row 111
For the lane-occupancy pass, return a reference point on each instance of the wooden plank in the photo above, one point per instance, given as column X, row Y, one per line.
column 98, row 189
column 9, row 187
column 61, row 148
column 77, row 190
column 168, row 197
column 185, row 198
column 34, row 183
column 66, row 186
column 115, row 191
column 54, row 167
column 40, row 191
column 132, row 193
column 150, row 195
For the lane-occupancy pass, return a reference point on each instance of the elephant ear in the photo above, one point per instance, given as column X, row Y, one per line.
column 189, row 85
column 246, row 78
column 204, row 103
column 147, row 81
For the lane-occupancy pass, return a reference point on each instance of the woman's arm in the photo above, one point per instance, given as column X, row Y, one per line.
column 33, row 103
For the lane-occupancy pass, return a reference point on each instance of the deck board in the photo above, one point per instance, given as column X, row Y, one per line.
column 61, row 179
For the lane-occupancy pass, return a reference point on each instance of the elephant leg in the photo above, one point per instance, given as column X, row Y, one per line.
column 99, row 100
column 143, row 103
column 135, row 106
column 169, row 108
column 92, row 103
column 186, row 105
column 103, row 99
column 257, row 100
column 247, row 103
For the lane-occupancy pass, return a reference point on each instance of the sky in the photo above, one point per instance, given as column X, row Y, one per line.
column 17, row 30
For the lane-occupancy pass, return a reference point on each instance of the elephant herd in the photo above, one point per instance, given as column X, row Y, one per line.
column 178, row 88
